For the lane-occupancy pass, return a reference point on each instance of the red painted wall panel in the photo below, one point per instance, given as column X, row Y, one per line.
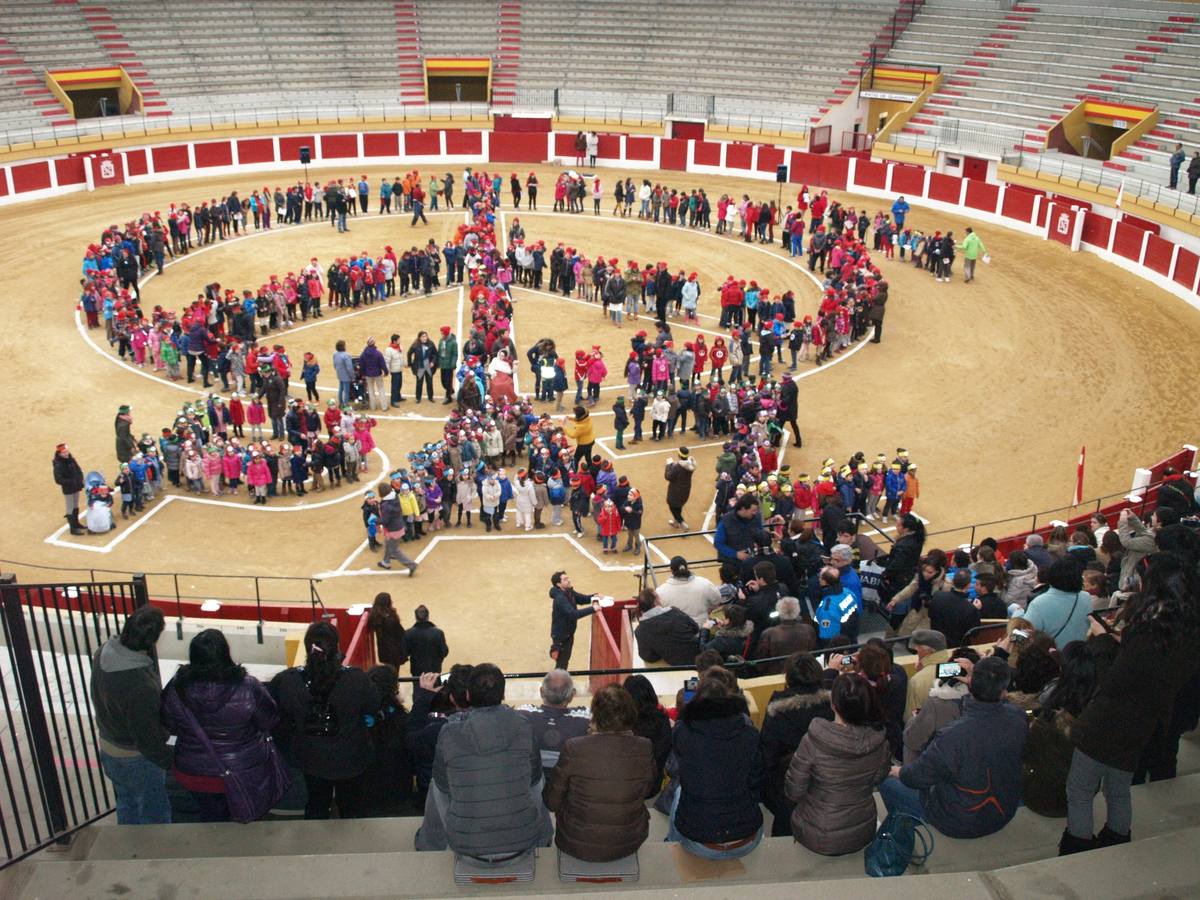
column 3, row 184
column 523, row 124
column 1128, row 242
column 69, row 170
column 1158, row 255
column 255, row 150
column 135, row 162
column 1095, row 229
column 423, row 143
column 381, row 143
column 673, row 154
column 564, row 144
column 1185, row 268
column 707, row 153
column 639, row 147
column 870, row 174
column 31, row 177
column 214, row 153
column 737, row 156
column 1017, row 205
column 946, row 188
column 610, row 146
column 1144, row 224
column 834, row 172
column 339, row 146
column 517, row 147
column 170, row 159
column 1042, row 212
column 981, row 195
column 805, row 168
column 289, row 148
column 769, row 157
column 908, row 180
column 461, row 142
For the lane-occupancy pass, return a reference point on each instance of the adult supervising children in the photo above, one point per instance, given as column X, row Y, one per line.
column 972, row 248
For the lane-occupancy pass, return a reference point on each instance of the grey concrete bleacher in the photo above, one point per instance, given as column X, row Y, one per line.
column 219, row 49
column 367, row 858
column 1053, row 54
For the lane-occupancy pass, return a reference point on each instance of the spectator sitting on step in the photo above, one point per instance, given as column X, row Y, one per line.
column 943, row 705
column 790, row 636
column 693, row 594
column 665, row 633
column 952, row 612
column 485, row 800
column 967, row 782
column 599, row 784
column 433, row 704
column 652, row 723
column 555, row 721
column 789, row 714
column 715, row 814
column 833, row 774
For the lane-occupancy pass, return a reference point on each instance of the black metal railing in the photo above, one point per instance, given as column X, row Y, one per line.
column 49, row 745
column 171, row 587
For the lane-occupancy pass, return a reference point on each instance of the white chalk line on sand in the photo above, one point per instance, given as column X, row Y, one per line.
column 344, row 571
column 142, row 518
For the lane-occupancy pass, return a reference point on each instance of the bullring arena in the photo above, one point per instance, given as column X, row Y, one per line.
column 991, row 386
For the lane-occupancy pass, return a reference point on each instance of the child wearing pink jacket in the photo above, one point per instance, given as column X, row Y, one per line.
column 258, row 476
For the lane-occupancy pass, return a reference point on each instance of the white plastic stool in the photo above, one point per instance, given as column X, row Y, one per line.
column 470, row 870
column 572, row 869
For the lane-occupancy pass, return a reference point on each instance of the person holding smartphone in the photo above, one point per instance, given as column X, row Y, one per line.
column 944, row 705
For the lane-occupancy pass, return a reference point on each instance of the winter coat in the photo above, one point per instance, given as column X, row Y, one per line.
column 125, row 689
column 902, row 562
column 695, row 596
column 485, row 764
column 667, row 634
column 679, row 481
column 67, row 474
column 348, row 750
column 1021, row 583
column 1062, row 615
column 126, row 445
column 236, row 716
column 569, row 607
column 727, row 641
column 783, row 639
column 426, row 647
column 390, row 641
column 1046, row 762
column 720, row 771
column 1135, row 695
column 953, row 614
column 523, row 496
column 598, row 790
column 970, row 776
column 831, row 780
column 944, row 705
column 789, row 714
column 258, row 473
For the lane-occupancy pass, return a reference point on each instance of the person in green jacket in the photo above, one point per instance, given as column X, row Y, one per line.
column 971, row 247
column 447, row 361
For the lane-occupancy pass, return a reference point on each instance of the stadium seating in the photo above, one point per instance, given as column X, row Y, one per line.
column 271, row 853
column 1011, row 75
column 203, row 55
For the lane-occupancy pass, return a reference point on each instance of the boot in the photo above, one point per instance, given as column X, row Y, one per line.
column 73, row 521
column 1109, row 838
column 1069, row 844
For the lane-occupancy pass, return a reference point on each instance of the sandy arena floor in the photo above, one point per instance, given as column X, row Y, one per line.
column 992, row 386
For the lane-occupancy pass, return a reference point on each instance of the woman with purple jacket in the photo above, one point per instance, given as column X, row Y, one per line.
column 236, row 714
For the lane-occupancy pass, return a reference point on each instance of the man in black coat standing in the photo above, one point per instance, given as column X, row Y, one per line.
column 564, row 617
column 789, row 405
column 426, row 644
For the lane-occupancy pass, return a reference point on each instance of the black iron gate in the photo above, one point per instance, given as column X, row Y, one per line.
column 49, row 750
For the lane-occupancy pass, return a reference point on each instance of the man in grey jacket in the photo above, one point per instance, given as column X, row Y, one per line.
column 125, row 692
column 485, row 800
